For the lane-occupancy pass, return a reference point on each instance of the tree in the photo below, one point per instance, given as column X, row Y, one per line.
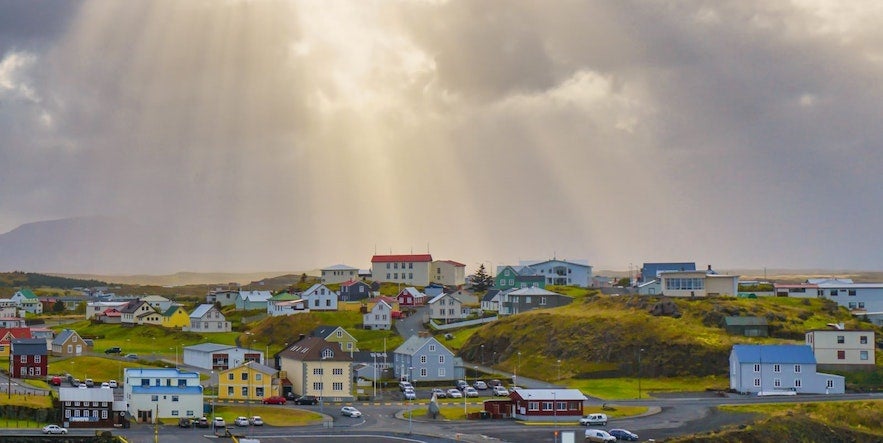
column 58, row 307
column 482, row 280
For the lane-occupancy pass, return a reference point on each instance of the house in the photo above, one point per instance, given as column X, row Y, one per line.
column 217, row 357
column 317, row 367
column 110, row 315
column 12, row 322
column 251, row 300
column 249, row 381
column 372, row 365
column 798, row 290
column 410, row 297
column 170, row 393
column 448, row 272
column 339, row 274
column 176, row 317
column 379, row 317
column 843, row 349
column 408, row 269
column 6, row 337
column 130, row 312
column 336, row 334
column 512, row 277
column 95, row 308
column 544, row 405
column 706, row 283
column 863, row 299
column 651, row 271
column 492, row 299
column 422, row 358
column 68, row 343
column 27, row 301
column 553, row 272
column 224, row 296
column 320, row 298
column 447, row 308
column 149, row 318
column 286, row 304
column 87, row 408
column 354, row 290
column 767, row 369
column 747, row 326
column 158, row 302
column 527, row 299
column 27, row 358
column 207, row 318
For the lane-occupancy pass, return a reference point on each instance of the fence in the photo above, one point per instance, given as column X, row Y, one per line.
column 460, row 324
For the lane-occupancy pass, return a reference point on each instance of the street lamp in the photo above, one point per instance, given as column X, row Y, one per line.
column 482, row 355
column 555, row 413
column 559, row 371
column 641, row 351
column 515, row 375
column 410, row 400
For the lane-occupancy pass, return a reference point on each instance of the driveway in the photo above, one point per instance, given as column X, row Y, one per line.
column 413, row 324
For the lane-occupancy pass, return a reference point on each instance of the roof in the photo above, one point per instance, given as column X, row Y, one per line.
column 400, row 258
column 255, row 296
column 29, row 346
column 324, row 331
column 311, row 348
column 201, row 310
column 208, row 347
column 77, row 394
column 15, row 333
column 283, row 296
column 815, row 281
column 531, row 263
column 534, row 291
column 789, row 354
column 255, row 366
column 549, row 394
column 745, row 321
column 452, row 262
column 27, row 293
column 352, row 282
column 64, row 336
column 315, row 287
column 490, row 294
column 413, row 292
column 171, row 311
column 442, row 295
column 160, row 373
column 132, row 306
column 415, row 343
column 340, row 268
column 155, row 298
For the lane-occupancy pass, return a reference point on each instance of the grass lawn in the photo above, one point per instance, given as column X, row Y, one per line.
column 272, row 415
column 145, row 339
column 627, row 388
column 862, row 415
column 461, row 335
column 97, row 368
column 34, row 401
column 451, row 412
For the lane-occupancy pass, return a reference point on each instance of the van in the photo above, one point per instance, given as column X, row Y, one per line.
column 594, row 420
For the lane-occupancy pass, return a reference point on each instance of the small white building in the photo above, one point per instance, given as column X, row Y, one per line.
column 218, row 357
column 379, row 317
column 448, row 273
column 841, row 349
column 339, row 274
column 446, row 307
column 320, row 298
column 162, row 393
column 207, row 318
column 706, row 283
column 286, row 304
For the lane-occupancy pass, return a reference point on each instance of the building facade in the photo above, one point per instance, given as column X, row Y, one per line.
column 207, row 318
column 27, row 358
column 162, row 393
column 410, row 269
column 773, row 369
column 840, row 349
column 698, row 284
column 250, row 381
column 423, row 359
column 448, row 273
column 339, row 274
column 317, row 367
column 379, row 317
column 217, row 357
column 528, row 299
column 86, row 408
column 320, row 298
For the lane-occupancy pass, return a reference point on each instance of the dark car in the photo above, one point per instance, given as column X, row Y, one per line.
column 185, row 423
column 274, row 400
column 113, row 350
column 622, row 434
column 307, row 400
column 202, row 423
column 494, row 383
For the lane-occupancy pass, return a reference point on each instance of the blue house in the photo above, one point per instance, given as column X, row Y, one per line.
column 778, row 370
column 650, row 271
column 425, row 359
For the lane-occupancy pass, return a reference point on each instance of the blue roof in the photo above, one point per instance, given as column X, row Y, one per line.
column 160, row 373
column 796, row 354
column 159, row 390
column 651, row 270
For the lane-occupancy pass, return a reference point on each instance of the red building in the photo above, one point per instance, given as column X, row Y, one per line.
column 545, row 404
column 27, row 358
column 410, row 297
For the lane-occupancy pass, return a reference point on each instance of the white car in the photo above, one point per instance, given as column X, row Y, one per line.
column 409, row 394
column 501, row 391
column 594, row 419
column 257, row 421
column 480, row 385
column 54, row 429
column 454, row 393
column 350, row 411
column 105, row 385
column 240, row 421
column 439, row 393
column 219, row 422
column 469, row 391
column 112, row 383
column 599, row 436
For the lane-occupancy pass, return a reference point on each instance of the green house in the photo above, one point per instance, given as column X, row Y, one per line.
column 510, row 278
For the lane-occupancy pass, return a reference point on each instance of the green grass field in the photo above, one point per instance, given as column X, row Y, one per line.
column 627, row 388
column 97, row 368
column 272, row 416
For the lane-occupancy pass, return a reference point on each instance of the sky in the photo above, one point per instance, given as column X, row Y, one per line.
column 297, row 135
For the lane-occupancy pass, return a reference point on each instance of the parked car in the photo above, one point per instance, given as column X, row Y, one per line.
column 594, row 420
column 257, row 421
column 622, row 434
column 274, row 400
column 403, row 385
column 409, row 394
column 493, row 383
column 89, row 382
column 54, row 429
column 113, row 384
column 241, row 421
column 219, row 422
column 461, row 384
column 131, row 357
column 202, row 422
column 350, row 411
column 307, row 400
column 480, row 385
column 454, row 393
column 439, row 393
column 185, row 423
column 55, row 380
column 470, row 392
column 500, row 391
column 105, row 385
column 597, row 435
column 75, row 382
column 113, row 350
column 83, row 386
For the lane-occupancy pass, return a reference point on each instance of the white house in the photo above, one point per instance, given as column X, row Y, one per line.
column 446, row 307
column 27, row 301
column 158, row 302
column 320, row 298
column 132, row 310
column 153, row 393
column 339, row 274
column 706, row 283
column 448, row 272
column 407, row 269
column 493, row 299
column 772, row 369
column 224, row 296
column 841, row 349
column 562, row 272
column 379, row 317
column 286, row 304
column 213, row 356
column 207, row 318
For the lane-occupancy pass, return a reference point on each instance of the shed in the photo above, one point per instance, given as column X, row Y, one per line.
column 747, row 326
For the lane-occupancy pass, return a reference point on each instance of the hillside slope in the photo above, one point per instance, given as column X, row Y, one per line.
column 600, row 336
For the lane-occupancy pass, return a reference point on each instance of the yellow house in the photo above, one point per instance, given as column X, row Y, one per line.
column 317, row 367
column 176, row 317
column 6, row 336
column 250, row 381
column 336, row 334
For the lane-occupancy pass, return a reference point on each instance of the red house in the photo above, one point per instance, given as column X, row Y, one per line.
column 547, row 404
column 411, row 297
column 27, row 358
column 8, row 334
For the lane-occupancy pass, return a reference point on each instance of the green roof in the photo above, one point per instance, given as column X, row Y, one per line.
column 283, row 297
column 27, row 293
column 171, row 311
column 745, row 321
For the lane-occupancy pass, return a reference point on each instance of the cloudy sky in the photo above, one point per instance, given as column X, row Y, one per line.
column 302, row 134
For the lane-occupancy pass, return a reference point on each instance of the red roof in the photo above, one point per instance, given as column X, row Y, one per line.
column 400, row 258
column 15, row 333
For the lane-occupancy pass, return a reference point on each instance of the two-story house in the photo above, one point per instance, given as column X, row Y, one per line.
column 223, row 296
column 423, row 358
column 252, row 300
column 843, row 349
column 771, row 369
column 354, row 290
column 378, row 317
column 250, row 381
column 286, row 304
column 207, row 318
column 339, row 274
column 86, row 408
column 132, row 310
column 448, row 273
column 517, row 277
column 6, row 337
column 446, row 307
column 158, row 302
column 409, row 269
column 68, row 343
column 169, row 393
column 320, row 298
column 176, row 317
column 27, row 358
column 27, row 301
column 317, row 367
column 410, row 297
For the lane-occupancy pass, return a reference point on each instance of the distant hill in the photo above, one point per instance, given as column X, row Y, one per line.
column 184, row 278
column 33, row 280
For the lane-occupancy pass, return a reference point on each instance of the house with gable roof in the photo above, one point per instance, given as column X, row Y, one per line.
column 354, row 290
column 320, row 298
column 68, row 343
column 6, row 337
column 153, row 393
column 176, row 317
column 562, row 272
column 447, row 308
column 527, row 299
column 339, row 274
column 28, row 358
column 25, row 299
column 407, row 269
column 492, row 299
column 158, row 302
column 378, row 317
column 770, row 369
column 95, row 308
column 317, row 367
column 423, row 358
column 286, row 304
column 448, row 273
column 411, row 297
column 132, row 310
column 336, row 334
column 250, row 300
column 207, row 318
column 543, row 404
column 517, row 277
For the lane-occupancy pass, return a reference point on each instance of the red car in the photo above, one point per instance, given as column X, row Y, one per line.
column 274, row 400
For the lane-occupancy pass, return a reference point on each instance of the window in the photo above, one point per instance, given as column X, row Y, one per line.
column 257, row 377
column 245, row 376
column 756, row 368
column 104, row 413
column 441, row 372
column 533, row 406
column 190, row 413
column 337, row 386
column 23, row 359
column 833, row 292
column 757, row 382
column 337, row 371
column 561, row 406
column 796, row 382
column 317, row 371
column 327, row 302
column 431, row 348
column 840, row 339
column 411, row 275
column 852, row 292
column 441, row 358
column 77, row 412
column 841, row 355
column 776, row 368
column 259, row 392
column 777, row 383
column 547, row 406
column 317, row 386
column 542, row 301
column 37, row 359
column 527, row 300
column 852, row 305
column 423, row 372
column 174, row 398
column 327, row 353
column 230, row 390
column 154, row 398
column 796, row 369
column 423, row 359
column 67, row 413
column 863, row 355
column 829, row 383
column 245, row 391
column 863, row 339
column 387, row 274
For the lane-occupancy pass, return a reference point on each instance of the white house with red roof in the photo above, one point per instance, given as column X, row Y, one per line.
column 448, row 273
column 409, row 269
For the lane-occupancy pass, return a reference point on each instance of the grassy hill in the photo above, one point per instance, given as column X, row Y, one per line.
column 600, row 336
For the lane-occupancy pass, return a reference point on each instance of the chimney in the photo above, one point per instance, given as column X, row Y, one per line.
column 709, row 268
